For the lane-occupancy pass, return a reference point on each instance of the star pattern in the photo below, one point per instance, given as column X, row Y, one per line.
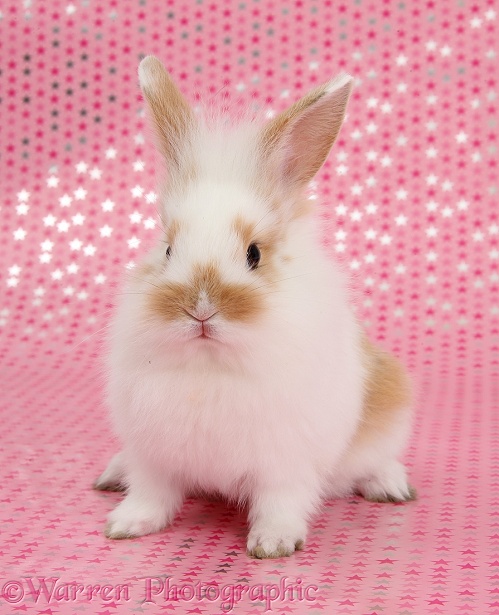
column 408, row 206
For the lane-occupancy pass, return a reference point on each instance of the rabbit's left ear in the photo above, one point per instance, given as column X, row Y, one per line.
column 297, row 142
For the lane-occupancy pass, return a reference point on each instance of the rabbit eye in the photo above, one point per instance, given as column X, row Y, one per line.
column 168, row 251
column 253, row 256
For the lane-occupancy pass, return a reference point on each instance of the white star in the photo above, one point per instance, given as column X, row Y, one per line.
column 431, row 152
column 398, row 313
column 70, row 9
column 371, row 208
column 494, row 254
column 95, row 173
column 45, row 257
column 149, row 223
column 431, row 125
column 400, row 269
column 475, row 103
column 341, row 155
column 369, row 281
column 80, row 193
column 401, row 60
column 20, row 234
column 111, row 153
column 47, row 245
column 431, row 231
column 447, row 212
column 372, row 102
column 445, row 51
column 490, row 14
column 476, row 22
column 371, row 155
column 100, row 278
column 431, row 180
column 401, row 194
column 461, row 137
column 340, row 235
column 370, row 233
column 385, row 239
column 22, row 209
column 354, row 264
column 401, row 88
column 75, row 244
column 81, row 167
column 82, row 295
column 431, row 279
column 133, row 243
column 139, row 138
column 369, row 258
column 371, row 128
column 135, row 217
column 356, row 215
column 370, row 181
column 105, row 231
column 431, row 45
column 39, row 292
column 78, row 219
column 72, row 268
column 57, row 274
column 356, row 189
column 151, row 197
column 107, row 205
column 49, row 220
column 431, row 257
column 341, row 210
column 386, row 107
column 401, row 220
column 65, row 200
column 12, row 282
column 89, row 250
column 15, row 270
column 447, row 185
column 52, row 181
column 493, row 229
column 339, row 247
column 130, row 265
column 384, row 286
column 23, row 196
column 138, row 165
column 341, row 169
column 462, row 267
column 402, row 140
column 432, row 206
column 386, row 161
column 63, row 226
column 476, row 156
column 478, row 236
column 356, row 134
column 431, row 99
column 462, row 205
column 313, row 65
column 68, row 291
column 137, row 191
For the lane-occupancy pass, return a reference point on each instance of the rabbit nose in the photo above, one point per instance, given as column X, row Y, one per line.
column 201, row 315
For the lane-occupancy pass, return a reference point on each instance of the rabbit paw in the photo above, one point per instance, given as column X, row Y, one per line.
column 131, row 519
column 267, row 542
column 388, row 485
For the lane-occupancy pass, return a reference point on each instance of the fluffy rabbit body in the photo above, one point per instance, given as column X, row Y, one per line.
column 236, row 365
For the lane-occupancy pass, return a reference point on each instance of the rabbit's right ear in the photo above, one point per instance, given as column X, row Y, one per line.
column 173, row 118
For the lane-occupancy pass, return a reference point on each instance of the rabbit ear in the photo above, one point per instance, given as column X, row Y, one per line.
column 297, row 142
column 171, row 113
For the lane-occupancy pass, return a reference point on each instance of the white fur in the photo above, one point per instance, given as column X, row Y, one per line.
column 263, row 415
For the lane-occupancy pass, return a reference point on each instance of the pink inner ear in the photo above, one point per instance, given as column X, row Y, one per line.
column 307, row 131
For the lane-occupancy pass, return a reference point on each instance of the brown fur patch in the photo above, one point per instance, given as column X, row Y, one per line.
column 388, row 390
column 239, row 302
column 172, row 232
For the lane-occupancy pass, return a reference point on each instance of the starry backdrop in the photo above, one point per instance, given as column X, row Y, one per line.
column 408, row 204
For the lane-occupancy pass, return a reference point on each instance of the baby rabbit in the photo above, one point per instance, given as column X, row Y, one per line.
column 236, row 365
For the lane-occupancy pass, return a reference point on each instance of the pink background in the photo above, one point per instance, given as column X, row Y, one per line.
column 409, row 204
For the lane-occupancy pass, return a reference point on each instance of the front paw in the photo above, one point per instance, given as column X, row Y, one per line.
column 268, row 542
column 131, row 519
